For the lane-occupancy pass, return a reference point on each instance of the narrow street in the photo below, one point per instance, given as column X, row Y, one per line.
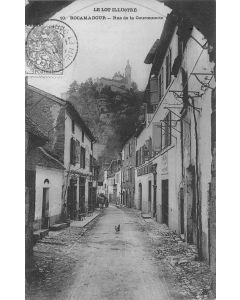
column 117, row 265
column 98, row 263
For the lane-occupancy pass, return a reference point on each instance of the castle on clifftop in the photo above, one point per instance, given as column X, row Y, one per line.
column 119, row 82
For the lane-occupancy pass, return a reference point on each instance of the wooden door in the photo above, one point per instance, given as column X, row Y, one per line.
column 82, row 194
column 45, row 208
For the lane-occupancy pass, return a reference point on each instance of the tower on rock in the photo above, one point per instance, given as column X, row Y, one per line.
column 128, row 74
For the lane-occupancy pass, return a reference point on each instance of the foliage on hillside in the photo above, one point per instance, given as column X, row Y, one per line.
column 113, row 127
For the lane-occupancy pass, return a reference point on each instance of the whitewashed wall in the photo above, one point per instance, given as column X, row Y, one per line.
column 55, row 178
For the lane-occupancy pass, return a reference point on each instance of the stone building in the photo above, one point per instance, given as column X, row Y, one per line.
column 65, row 164
column 119, row 82
column 34, row 138
column 174, row 150
column 128, row 172
column 112, row 181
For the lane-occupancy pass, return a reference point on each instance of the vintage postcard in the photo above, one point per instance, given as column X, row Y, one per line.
column 120, row 110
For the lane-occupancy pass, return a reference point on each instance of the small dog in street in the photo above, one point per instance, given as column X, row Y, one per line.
column 117, row 228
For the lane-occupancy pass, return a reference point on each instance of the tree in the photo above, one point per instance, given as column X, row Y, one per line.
column 124, row 109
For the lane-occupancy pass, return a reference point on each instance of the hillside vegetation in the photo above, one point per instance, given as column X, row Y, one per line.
column 113, row 126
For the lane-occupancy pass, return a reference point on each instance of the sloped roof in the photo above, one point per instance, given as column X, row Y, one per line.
column 40, row 157
column 166, row 36
column 46, row 94
column 150, row 56
column 69, row 106
column 201, row 13
column 32, row 128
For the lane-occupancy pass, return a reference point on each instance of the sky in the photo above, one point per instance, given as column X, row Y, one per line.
column 104, row 46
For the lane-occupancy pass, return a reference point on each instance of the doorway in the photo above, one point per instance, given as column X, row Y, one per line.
column 90, row 204
column 72, row 199
column 45, row 208
column 182, row 210
column 149, row 196
column 165, row 201
column 140, row 195
column 82, row 194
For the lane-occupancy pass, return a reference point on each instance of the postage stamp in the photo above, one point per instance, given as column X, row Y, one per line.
column 50, row 48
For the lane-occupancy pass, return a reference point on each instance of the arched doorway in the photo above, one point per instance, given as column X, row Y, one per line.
column 140, row 195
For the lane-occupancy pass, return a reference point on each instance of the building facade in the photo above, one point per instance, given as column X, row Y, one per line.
column 128, row 172
column 174, row 150
column 112, row 181
column 34, row 138
column 66, row 162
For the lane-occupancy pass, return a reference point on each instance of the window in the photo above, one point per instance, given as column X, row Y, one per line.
column 166, row 131
column 82, row 136
column 146, row 151
column 73, row 126
column 74, row 151
column 160, row 84
column 82, row 158
column 168, row 68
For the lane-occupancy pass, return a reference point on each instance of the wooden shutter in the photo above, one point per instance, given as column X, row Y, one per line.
column 84, row 158
column 77, row 152
column 156, row 134
column 154, row 90
column 72, row 151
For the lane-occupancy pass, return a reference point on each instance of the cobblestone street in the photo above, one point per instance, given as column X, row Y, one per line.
column 145, row 260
